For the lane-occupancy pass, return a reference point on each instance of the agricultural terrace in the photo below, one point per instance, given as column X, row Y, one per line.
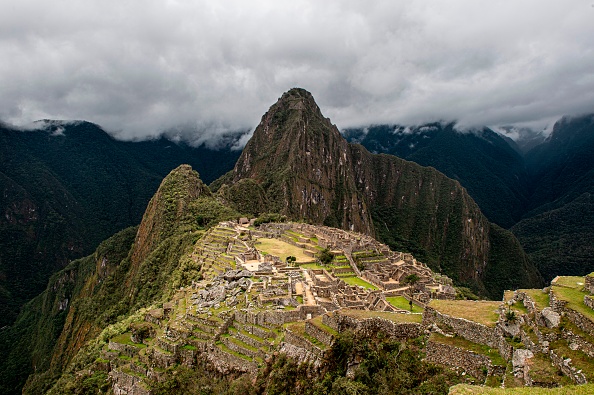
column 482, row 312
column 570, row 289
column 394, row 317
column 281, row 249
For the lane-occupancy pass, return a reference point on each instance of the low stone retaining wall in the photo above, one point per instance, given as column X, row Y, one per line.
column 125, row 349
column 167, row 346
column 582, row 322
column 241, row 350
column 301, row 342
column 589, row 283
column 371, row 326
column 471, row 331
column 580, row 343
column 318, row 333
column 477, row 365
column 227, row 363
column 589, row 301
column 278, row 318
column 565, row 366
column 248, row 340
column 127, row 384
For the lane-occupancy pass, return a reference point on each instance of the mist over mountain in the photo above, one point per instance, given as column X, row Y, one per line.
column 306, row 170
column 558, row 228
column 539, row 183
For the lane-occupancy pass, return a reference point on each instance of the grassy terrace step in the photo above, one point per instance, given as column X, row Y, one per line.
column 394, row 317
column 243, row 348
column 569, row 289
column 578, row 359
column 482, row 312
column 462, row 343
column 124, row 338
column 545, row 374
column 247, row 337
column 299, row 329
column 540, row 298
column 358, row 282
column 229, row 351
column 466, row 389
column 317, row 321
column 400, row 302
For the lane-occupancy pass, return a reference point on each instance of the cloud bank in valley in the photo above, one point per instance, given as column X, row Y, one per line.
column 141, row 67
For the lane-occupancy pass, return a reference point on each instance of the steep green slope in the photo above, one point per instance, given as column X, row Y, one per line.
column 131, row 270
column 68, row 186
column 482, row 161
column 559, row 229
column 309, row 172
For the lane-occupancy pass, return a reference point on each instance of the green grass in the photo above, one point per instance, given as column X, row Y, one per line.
column 394, row 317
column 575, row 300
column 482, row 312
column 400, row 302
column 317, row 321
column 359, row 282
column 460, row 342
column 229, row 351
column 540, row 298
column 124, row 338
column 570, row 281
column 466, row 389
column 578, row 359
column 313, row 266
column 281, row 249
column 189, row 347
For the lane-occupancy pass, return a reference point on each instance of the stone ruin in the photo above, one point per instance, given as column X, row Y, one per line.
column 249, row 304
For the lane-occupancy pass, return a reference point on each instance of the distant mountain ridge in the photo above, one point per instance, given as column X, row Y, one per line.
column 481, row 160
column 66, row 186
column 306, row 170
column 541, row 189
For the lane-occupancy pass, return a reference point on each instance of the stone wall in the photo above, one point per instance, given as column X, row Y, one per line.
column 301, row 342
column 318, row 333
column 476, row 365
column 127, row 384
column 589, row 300
column 589, row 283
column 226, row 363
column 371, row 326
column 578, row 343
column 471, row 331
column 582, row 322
column 277, row 318
column 125, row 349
column 565, row 366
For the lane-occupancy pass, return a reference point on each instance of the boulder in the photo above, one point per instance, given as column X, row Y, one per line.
column 551, row 318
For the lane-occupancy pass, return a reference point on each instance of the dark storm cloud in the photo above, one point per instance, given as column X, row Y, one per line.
column 140, row 67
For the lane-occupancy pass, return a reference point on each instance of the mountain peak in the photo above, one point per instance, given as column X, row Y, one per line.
column 167, row 209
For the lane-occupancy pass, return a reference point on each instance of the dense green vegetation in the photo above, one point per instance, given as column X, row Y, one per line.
column 545, row 193
column 68, row 186
column 121, row 277
column 492, row 172
column 381, row 367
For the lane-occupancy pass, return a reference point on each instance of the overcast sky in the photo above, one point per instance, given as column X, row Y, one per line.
column 139, row 67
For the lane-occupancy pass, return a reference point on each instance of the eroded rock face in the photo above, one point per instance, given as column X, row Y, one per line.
column 551, row 318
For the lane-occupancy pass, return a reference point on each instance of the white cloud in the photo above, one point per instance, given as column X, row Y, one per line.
column 140, row 67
